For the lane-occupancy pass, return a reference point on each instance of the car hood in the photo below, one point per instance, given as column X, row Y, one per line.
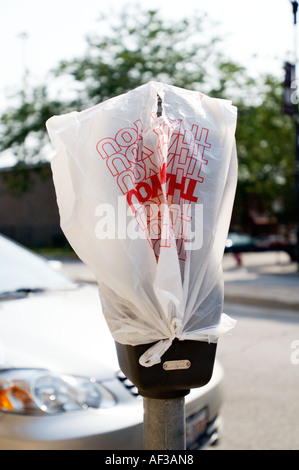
column 64, row 331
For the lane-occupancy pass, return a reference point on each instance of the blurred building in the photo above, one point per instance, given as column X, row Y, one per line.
column 28, row 208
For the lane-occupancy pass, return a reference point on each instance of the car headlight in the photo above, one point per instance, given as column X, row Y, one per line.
column 32, row 391
column 229, row 243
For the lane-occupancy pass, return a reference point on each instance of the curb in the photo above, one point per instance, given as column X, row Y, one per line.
column 259, row 302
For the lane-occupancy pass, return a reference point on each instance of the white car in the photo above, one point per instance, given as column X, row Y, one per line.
column 60, row 383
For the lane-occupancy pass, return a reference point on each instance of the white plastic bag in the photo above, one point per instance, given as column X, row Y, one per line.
column 145, row 201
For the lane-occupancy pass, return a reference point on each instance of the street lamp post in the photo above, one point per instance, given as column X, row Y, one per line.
column 296, row 119
column 295, row 10
column 24, row 36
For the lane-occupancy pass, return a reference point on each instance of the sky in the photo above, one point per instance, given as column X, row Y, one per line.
column 36, row 35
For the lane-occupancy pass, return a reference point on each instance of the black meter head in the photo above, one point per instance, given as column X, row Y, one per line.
column 185, row 365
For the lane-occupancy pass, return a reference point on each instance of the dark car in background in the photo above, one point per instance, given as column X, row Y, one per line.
column 244, row 243
column 240, row 242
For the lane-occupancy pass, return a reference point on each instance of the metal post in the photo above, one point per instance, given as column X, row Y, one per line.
column 294, row 112
column 24, row 36
column 296, row 119
column 164, row 424
column 295, row 10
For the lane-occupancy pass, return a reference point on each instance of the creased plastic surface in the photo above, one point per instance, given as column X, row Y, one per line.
column 146, row 201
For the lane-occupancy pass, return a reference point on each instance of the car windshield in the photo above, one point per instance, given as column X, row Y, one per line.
column 22, row 270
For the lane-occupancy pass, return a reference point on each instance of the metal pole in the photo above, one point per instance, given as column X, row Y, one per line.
column 24, row 36
column 164, row 424
column 296, row 119
column 297, row 186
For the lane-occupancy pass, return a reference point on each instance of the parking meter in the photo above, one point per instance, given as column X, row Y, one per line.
column 145, row 184
column 185, row 365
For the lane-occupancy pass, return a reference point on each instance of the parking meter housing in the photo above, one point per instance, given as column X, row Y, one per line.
column 185, row 365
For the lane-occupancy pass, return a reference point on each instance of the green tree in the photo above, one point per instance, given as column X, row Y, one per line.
column 266, row 143
column 139, row 46
column 142, row 46
column 23, row 125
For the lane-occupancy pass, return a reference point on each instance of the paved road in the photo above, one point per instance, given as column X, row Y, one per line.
column 261, row 409
column 266, row 279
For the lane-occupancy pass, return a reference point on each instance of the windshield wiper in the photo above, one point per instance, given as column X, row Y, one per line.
column 30, row 290
column 22, row 292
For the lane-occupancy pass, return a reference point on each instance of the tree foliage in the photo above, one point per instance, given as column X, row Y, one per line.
column 266, row 152
column 137, row 46
column 140, row 47
column 23, row 126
